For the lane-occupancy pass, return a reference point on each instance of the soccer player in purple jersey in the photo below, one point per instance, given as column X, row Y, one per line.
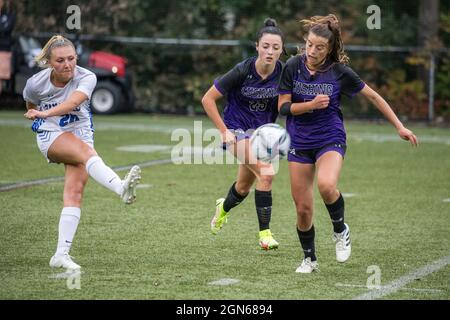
column 251, row 89
column 310, row 90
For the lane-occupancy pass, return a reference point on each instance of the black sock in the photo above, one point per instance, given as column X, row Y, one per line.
column 263, row 202
column 233, row 199
column 336, row 211
column 307, row 242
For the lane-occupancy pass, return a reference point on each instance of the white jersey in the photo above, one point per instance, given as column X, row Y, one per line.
column 40, row 91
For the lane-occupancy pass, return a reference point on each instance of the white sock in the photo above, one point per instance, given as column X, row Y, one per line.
column 68, row 223
column 104, row 175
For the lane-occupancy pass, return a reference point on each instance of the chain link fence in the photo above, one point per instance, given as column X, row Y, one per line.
column 171, row 75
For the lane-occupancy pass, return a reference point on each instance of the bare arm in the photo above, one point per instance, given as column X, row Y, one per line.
column 387, row 112
column 71, row 103
column 210, row 106
column 321, row 101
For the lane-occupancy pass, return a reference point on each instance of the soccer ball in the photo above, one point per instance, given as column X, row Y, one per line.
column 269, row 142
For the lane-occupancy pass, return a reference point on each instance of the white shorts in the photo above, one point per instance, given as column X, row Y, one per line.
column 46, row 138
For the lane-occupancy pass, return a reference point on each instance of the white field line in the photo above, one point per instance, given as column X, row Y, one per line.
column 224, row 282
column 23, row 184
column 65, row 275
column 144, row 186
column 349, row 195
column 104, row 126
column 166, row 128
column 348, row 285
column 384, row 137
column 401, row 282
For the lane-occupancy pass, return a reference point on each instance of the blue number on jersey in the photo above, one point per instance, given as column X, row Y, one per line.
column 36, row 124
column 68, row 118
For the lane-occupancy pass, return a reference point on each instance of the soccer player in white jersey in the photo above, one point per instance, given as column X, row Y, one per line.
column 57, row 99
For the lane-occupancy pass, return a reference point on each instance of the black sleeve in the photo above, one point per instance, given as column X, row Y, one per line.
column 351, row 84
column 287, row 76
column 232, row 78
column 7, row 25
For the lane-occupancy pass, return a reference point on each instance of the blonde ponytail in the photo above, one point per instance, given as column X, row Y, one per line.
column 43, row 58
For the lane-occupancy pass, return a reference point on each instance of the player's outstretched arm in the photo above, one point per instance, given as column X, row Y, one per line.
column 386, row 110
column 71, row 103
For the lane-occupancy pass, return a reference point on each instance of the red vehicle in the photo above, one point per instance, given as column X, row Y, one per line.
column 114, row 91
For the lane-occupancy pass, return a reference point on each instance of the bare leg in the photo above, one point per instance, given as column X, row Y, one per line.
column 245, row 179
column 249, row 171
column 75, row 180
column 302, row 181
column 328, row 170
column 69, row 149
column 263, row 172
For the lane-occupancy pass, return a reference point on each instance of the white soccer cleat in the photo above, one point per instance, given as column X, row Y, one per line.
column 343, row 245
column 307, row 266
column 63, row 261
column 130, row 182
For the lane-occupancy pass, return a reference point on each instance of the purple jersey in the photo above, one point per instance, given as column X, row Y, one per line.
column 251, row 101
column 320, row 127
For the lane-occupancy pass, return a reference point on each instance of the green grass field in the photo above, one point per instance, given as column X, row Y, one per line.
column 161, row 247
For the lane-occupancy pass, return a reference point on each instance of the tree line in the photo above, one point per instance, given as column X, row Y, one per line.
column 172, row 79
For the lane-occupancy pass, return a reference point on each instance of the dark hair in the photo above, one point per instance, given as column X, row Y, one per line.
column 328, row 27
column 270, row 26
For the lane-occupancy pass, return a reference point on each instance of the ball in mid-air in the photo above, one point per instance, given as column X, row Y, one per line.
column 270, row 141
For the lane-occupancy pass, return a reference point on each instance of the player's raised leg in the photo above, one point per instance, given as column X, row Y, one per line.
column 238, row 190
column 69, row 149
column 236, row 194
